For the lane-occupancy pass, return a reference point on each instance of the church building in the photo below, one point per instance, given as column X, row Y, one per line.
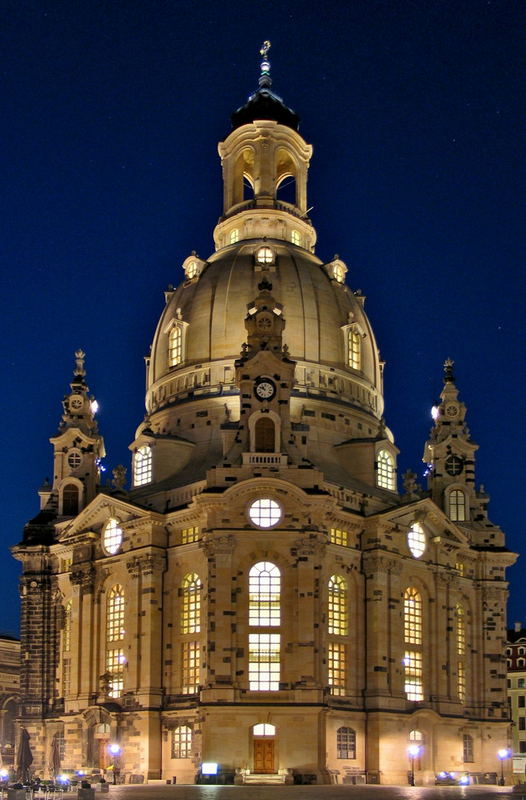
column 263, row 604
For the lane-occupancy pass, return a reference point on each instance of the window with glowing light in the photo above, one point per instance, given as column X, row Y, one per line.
column 354, row 349
column 112, row 536
column 336, row 667
column 191, row 604
column 295, row 237
column 345, row 743
column 264, row 586
column 467, row 747
column 175, row 346
column 461, row 681
column 189, row 535
column 264, row 661
column 115, row 615
column 337, row 607
column 190, row 667
column 412, row 616
column 234, row 236
column 386, row 477
column 265, row 513
column 181, row 742
column 337, row 536
column 417, row 737
column 115, row 661
column 413, row 676
column 460, row 620
column 263, row 729
column 457, row 505
column 265, row 255
column 416, row 540
column 66, row 631
column 142, row 466
column 66, row 676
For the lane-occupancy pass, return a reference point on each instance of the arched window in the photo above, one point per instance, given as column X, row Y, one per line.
column 70, row 500
column 112, row 536
column 457, row 505
column 354, row 349
column 142, row 466
column 460, row 625
column 182, row 742
column 295, row 237
column 413, row 638
column 66, row 633
column 115, row 615
column 264, row 648
column 385, row 471
column 264, row 435
column 416, row 540
column 191, row 604
column 345, row 743
column 337, row 617
column 263, row 729
column 175, row 346
column 264, row 595
column 417, row 737
column 467, row 742
column 265, row 255
column 234, row 236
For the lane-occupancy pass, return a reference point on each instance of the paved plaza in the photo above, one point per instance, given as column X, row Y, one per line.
column 188, row 792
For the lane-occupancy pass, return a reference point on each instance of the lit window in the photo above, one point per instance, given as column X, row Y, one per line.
column 467, row 741
column 112, row 536
column 416, row 540
column 191, row 270
column 66, row 676
column 142, row 466
column 115, row 661
column 295, row 237
column 413, row 676
column 191, row 604
column 461, row 629
column 66, row 633
column 264, row 661
column 115, row 615
column 190, row 667
column 175, row 346
column 265, row 255
column 459, row 566
column 264, row 594
column 345, row 743
column 182, row 742
column 354, row 349
column 234, row 236
column 189, row 535
column 338, row 273
column 336, row 667
column 412, row 616
column 386, row 471
column 457, row 505
column 461, row 681
column 337, row 536
column 265, row 513
column 417, row 737
column 337, row 616
column 264, row 729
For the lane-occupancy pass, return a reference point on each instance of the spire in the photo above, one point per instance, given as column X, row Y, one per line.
column 79, row 407
column 265, row 81
column 79, row 373
column 448, row 371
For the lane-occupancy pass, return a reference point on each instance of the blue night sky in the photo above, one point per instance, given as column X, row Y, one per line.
column 110, row 177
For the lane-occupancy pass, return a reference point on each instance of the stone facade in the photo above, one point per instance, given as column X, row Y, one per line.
column 264, row 597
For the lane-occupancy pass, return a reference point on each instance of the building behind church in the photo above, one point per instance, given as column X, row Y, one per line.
column 263, row 597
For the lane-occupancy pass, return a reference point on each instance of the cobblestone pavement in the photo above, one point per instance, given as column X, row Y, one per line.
column 187, row 792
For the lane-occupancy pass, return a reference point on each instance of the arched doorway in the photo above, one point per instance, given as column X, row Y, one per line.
column 263, row 748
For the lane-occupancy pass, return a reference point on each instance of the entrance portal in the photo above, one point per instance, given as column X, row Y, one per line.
column 263, row 755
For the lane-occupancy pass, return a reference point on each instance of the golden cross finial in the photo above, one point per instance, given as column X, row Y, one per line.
column 264, row 79
column 265, row 47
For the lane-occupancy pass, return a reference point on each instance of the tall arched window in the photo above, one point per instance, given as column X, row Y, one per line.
column 115, row 658
column 467, row 748
column 337, row 617
column 181, row 742
column 460, row 625
column 413, row 639
column 142, row 465
column 115, row 615
column 264, row 647
column 191, row 604
column 66, row 633
column 417, row 737
column 386, row 478
column 457, row 505
column 175, row 346
column 354, row 349
column 345, row 743
column 70, row 500
column 264, row 435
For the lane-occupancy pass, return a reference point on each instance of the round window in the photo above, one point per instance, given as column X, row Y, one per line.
column 112, row 537
column 265, row 513
column 74, row 458
column 265, row 256
column 416, row 540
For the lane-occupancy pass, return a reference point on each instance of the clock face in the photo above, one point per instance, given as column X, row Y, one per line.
column 454, row 465
column 264, row 323
column 451, row 410
column 265, row 389
column 76, row 402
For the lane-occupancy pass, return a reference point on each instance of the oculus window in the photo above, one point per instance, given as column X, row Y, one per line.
column 112, row 537
column 265, row 513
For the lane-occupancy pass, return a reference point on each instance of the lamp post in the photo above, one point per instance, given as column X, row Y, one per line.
column 503, row 753
column 413, row 751
column 115, row 750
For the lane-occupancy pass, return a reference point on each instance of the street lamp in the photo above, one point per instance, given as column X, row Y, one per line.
column 115, row 750
column 503, row 753
column 413, row 751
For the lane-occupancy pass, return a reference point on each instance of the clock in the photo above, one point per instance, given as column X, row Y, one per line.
column 264, row 323
column 454, row 465
column 264, row 389
column 451, row 410
column 76, row 402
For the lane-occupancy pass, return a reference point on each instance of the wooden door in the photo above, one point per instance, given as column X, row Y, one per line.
column 263, row 755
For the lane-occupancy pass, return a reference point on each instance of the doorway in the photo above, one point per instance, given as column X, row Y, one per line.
column 263, row 756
